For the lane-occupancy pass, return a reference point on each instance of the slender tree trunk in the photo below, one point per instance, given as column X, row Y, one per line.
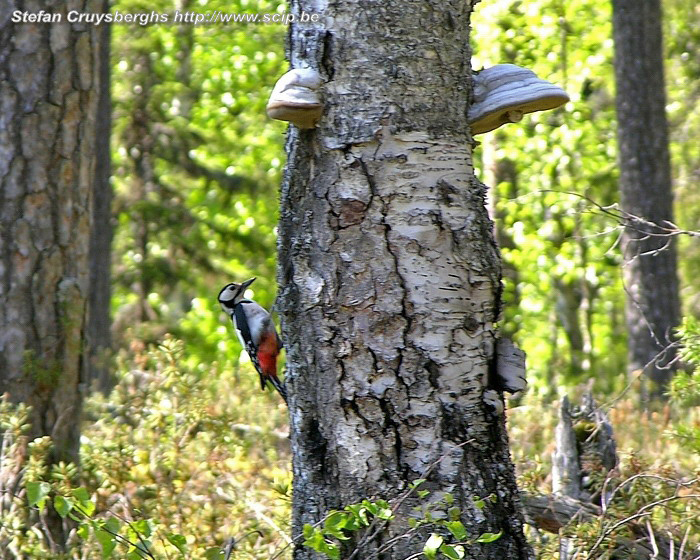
column 49, row 89
column 390, row 280
column 99, row 325
column 653, row 308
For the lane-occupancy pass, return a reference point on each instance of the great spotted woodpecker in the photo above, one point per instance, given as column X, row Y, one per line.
column 256, row 331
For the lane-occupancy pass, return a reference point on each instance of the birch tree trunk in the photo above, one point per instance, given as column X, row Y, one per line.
column 390, row 279
column 652, row 308
column 49, row 85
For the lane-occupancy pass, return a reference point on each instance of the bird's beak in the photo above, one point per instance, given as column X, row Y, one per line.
column 244, row 285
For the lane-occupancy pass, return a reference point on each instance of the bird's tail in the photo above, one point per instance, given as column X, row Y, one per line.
column 277, row 384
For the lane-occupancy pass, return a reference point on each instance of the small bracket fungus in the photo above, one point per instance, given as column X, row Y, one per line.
column 505, row 92
column 295, row 98
column 510, row 366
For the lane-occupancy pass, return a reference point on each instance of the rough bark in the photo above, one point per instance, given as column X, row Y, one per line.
column 49, row 84
column 585, row 450
column 652, row 309
column 390, row 279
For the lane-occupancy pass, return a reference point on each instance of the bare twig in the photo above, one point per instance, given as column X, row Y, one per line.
column 644, row 511
column 631, row 221
column 260, row 514
column 683, row 542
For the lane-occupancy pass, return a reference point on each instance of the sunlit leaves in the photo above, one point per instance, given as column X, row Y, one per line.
column 196, row 169
column 37, row 493
column 553, row 239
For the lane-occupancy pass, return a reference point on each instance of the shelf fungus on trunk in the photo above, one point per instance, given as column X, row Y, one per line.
column 296, row 98
column 505, row 92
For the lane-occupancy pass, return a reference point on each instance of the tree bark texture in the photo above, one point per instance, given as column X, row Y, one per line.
column 390, row 279
column 652, row 309
column 49, row 86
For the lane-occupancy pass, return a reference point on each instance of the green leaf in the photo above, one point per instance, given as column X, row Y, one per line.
column 337, row 522
column 142, row 528
column 360, row 513
column 107, row 541
column 62, row 505
column 432, row 545
column 456, row 552
column 178, row 541
column 318, row 543
column 371, row 507
column 81, row 494
column 143, row 549
column 416, row 483
column 315, row 540
column 37, row 493
column 213, row 554
column 489, row 537
column 84, row 502
column 457, row 529
column 331, row 550
column 84, row 531
column 113, row 524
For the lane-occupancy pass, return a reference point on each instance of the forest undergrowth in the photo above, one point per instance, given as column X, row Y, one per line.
column 181, row 464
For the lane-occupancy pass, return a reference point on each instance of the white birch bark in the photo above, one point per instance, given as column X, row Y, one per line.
column 390, row 278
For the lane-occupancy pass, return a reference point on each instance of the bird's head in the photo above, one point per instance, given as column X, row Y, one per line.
column 232, row 294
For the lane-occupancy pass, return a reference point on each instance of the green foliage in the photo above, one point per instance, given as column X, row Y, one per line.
column 682, row 43
column 684, row 391
column 196, row 169
column 365, row 519
column 171, row 467
column 339, row 526
column 563, row 301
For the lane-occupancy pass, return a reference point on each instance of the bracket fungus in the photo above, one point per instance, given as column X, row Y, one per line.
column 505, row 92
column 296, row 98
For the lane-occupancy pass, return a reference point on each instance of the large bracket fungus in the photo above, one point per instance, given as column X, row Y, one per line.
column 505, row 92
column 296, row 98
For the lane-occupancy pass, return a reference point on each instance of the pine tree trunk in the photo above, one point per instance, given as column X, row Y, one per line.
column 390, row 279
column 49, row 84
column 653, row 308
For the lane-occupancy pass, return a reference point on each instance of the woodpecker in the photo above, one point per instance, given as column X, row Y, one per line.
column 256, row 331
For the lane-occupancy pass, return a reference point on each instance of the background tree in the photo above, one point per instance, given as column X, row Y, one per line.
column 390, row 280
column 196, row 166
column 565, row 304
column 99, row 330
column 50, row 86
column 651, row 282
